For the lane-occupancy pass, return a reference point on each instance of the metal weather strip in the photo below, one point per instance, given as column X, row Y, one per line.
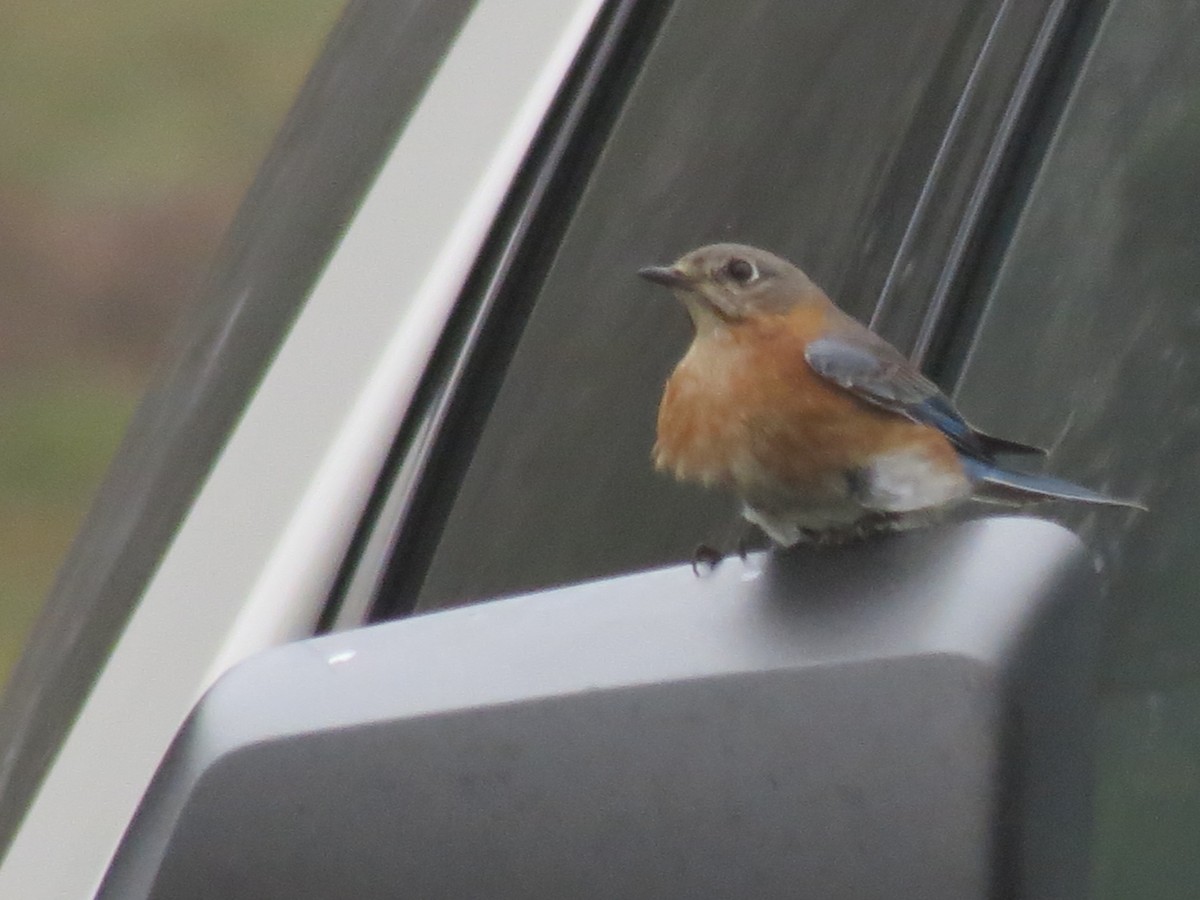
column 257, row 551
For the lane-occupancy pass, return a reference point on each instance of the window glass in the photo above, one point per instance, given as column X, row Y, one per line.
column 1090, row 344
column 777, row 124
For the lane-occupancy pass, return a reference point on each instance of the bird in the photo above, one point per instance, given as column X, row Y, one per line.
column 823, row 430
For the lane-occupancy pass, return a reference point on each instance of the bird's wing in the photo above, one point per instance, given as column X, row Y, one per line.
column 875, row 371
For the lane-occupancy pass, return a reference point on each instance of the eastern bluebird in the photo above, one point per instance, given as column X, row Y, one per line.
column 823, row 429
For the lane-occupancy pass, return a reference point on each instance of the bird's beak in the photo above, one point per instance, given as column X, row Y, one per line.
column 668, row 276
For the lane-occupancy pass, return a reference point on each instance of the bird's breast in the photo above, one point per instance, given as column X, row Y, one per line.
column 743, row 408
column 700, row 419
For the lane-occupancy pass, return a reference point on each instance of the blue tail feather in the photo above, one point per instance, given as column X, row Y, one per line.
column 1005, row 485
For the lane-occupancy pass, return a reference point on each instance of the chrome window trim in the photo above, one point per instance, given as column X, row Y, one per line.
column 301, row 462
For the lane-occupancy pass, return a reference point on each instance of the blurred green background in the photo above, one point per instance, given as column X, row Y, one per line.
column 129, row 131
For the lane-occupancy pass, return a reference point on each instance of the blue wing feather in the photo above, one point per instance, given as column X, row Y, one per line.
column 875, row 371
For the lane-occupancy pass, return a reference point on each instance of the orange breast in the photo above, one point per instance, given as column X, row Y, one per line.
column 743, row 406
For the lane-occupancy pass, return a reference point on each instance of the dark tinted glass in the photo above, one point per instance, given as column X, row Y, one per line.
column 777, row 124
column 1090, row 344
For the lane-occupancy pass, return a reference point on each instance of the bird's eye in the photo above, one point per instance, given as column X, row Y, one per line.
column 740, row 270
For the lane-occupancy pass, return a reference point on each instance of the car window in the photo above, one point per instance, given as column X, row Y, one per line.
column 774, row 124
column 1090, row 344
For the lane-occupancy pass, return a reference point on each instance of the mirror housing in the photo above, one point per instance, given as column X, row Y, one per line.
column 908, row 717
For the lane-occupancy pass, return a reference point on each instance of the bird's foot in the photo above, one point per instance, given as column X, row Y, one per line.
column 706, row 557
column 750, row 537
column 743, row 547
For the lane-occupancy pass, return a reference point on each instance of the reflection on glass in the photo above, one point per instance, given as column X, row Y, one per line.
column 130, row 130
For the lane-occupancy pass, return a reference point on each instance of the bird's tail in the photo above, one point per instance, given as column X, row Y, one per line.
column 1004, row 486
column 993, row 445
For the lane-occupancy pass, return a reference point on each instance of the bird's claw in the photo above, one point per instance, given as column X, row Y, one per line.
column 743, row 547
column 706, row 556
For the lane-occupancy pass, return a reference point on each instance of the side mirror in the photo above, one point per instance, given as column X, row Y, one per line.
column 910, row 717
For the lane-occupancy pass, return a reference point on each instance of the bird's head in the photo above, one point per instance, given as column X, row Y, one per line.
column 722, row 284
